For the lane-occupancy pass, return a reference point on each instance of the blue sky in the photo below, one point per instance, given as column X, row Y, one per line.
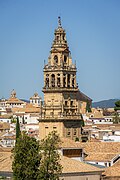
column 93, row 34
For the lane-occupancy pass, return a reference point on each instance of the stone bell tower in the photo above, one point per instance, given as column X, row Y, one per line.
column 61, row 109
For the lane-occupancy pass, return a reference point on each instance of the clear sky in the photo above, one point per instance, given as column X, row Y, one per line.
column 93, row 34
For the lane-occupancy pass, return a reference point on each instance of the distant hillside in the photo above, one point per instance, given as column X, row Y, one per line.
column 105, row 103
column 27, row 101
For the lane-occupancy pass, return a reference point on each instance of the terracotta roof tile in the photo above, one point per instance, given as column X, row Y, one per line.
column 113, row 171
column 68, row 143
column 69, row 165
column 15, row 100
column 73, row 166
column 4, row 126
column 101, row 147
column 5, row 161
column 100, row 157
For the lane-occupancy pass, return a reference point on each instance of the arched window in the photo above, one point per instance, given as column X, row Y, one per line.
column 58, row 80
column 47, row 81
column 53, row 80
column 64, row 80
column 56, row 59
column 65, row 59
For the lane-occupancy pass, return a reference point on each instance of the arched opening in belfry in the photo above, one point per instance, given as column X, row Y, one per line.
column 65, row 58
column 56, row 59
column 68, row 80
column 53, row 80
column 57, row 38
column 73, row 81
column 47, row 81
column 58, row 80
column 64, row 80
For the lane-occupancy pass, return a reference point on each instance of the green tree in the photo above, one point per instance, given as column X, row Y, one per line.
column 26, row 158
column 18, row 133
column 88, row 107
column 116, row 118
column 50, row 167
column 117, row 105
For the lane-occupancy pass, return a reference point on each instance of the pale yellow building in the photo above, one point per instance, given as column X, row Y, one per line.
column 63, row 101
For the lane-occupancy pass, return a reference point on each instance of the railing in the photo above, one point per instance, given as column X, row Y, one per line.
column 60, row 117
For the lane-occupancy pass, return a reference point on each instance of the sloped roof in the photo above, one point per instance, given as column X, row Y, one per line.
column 5, row 116
column 73, row 166
column 5, row 161
column 15, row 100
column 29, row 108
column 82, row 97
column 69, row 165
column 113, row 171
column 68, row 143
column 100, row 157
column 4, row 125
column 102, row 147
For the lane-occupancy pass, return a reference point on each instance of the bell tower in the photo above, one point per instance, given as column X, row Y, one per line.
column 61, row 109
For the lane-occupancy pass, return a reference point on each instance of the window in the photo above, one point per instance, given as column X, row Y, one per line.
column 56, row 59
column 68, row 80
column 65, row 59
column 64, row 81
column 47, row 82
column 68, row 132
column 53, row 80
column 51, row 113
column 105, row 164
column 74, row 132
column 65, row 103
column 73, row 83
column 71, row 103
column 58, row 81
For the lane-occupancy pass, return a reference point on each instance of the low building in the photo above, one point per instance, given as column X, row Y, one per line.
column 36, row 100
column 72, row 169
column 113, row 172
column 4, row 127
column 8, row 139
column 76, row 170
column 13, row 101
column 5, row 118
column 71, row 149
column 102, row 153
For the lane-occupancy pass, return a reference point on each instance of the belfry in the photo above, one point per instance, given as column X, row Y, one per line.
column 61, row 107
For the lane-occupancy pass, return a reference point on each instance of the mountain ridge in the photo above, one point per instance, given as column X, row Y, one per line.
column 110, row 103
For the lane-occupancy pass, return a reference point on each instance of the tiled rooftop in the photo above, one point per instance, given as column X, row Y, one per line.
column 100, row 157
column 113, row 171
column 72, row 166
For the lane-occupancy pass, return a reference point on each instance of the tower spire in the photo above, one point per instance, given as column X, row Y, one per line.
column 59, row 21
